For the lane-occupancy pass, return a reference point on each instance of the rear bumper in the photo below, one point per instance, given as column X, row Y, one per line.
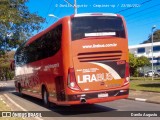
column 94, row 95
column 91, row 98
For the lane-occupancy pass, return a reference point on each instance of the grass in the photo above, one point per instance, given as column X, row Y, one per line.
column 146, row 84
column 4, row 107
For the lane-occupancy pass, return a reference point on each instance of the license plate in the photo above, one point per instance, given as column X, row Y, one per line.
column 102, row 95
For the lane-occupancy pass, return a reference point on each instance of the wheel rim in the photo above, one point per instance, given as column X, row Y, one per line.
column 45, row 97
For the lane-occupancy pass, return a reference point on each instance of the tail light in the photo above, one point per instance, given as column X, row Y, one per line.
column 72, row 84
column 127, row 75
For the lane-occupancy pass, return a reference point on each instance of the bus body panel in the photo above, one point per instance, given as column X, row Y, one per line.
column 102, row 67
column 43, row 72
column 33, row 76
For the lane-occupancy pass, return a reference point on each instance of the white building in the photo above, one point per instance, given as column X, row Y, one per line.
column 146, row 50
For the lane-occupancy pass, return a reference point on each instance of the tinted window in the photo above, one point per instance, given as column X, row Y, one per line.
column 158, row 70
column 103, row 25
column 156, row 48
column 45, row 46
column 141, row 50
column 20, row 56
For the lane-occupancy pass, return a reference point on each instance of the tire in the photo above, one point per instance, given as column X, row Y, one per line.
column 156, row 75
column 20, row 90
column 45, row 98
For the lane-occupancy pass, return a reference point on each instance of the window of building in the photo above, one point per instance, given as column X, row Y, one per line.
column 141, row 50
column 156, row 48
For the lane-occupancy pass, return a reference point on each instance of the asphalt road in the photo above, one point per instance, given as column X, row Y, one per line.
column 96, row 111
column 6, row 86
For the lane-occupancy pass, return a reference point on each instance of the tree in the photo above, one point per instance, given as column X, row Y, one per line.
column 156, row 37
column 17, row 23
column 5, row 72
column 136, row 62
column 143, row 61
column 132, row 64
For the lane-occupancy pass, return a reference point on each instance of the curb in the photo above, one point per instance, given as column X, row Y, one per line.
column 155, row 102
column 144, row 100
column 144, row 91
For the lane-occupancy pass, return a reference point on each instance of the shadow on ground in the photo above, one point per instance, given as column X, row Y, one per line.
column 157, row 85
column 76, row 110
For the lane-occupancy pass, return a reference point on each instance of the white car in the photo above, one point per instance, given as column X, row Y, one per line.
column 150, row 73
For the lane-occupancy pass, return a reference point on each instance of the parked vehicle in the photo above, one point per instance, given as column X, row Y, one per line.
column 154, row 73
column 158, row 71
column 140, row 74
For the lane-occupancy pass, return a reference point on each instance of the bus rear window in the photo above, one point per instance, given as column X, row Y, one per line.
column 95, row 26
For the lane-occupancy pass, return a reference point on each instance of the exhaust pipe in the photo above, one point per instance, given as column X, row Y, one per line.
column 82, row 100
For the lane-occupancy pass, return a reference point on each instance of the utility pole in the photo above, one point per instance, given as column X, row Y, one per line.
column 152, row 51
column 75, row 5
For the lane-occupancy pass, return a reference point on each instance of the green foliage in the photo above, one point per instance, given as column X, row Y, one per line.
column 17, row 23
column 136, row 62
column 143, row 61
column 132, row 64
column 146, row 84
column 5, row 72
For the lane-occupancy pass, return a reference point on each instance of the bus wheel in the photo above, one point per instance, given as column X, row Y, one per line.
column 20, row 89
column 45, row 98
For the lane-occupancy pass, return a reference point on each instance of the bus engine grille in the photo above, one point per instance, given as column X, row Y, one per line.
column 100, row 56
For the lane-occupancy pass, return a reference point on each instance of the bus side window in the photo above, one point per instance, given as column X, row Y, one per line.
column 53, row 41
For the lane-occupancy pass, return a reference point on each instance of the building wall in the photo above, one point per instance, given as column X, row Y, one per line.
column 146, row 50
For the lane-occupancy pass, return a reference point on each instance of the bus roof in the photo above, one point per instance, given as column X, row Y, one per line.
column 74, row 15
column 94, row 14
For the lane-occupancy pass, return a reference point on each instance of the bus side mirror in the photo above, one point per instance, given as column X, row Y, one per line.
column 12, row 65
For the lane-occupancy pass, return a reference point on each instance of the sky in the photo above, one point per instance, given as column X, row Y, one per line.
column 140, row 15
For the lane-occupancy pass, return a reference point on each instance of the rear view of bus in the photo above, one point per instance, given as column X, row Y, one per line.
column 99, row 71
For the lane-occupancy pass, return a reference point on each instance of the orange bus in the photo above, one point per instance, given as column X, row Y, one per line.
column 81, row 59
